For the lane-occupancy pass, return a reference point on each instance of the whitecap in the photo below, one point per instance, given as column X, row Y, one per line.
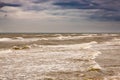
column 57, row 57
column 19, row 38
column 5, row 39
column 5, row 51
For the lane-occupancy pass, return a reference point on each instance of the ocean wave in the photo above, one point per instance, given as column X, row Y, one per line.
column 115, row 77
column 5, row 39
column 111, row 44
column 84, row 50
column 51, row 58
column 3, row 51
column 18, row 39
column 34, row 38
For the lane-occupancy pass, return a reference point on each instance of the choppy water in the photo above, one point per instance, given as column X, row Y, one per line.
column 38, row 55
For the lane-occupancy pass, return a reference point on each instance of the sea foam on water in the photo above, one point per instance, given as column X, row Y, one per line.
column 38, row 60
column 58, row 57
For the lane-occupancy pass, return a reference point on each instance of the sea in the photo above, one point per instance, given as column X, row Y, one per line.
column 59, row 56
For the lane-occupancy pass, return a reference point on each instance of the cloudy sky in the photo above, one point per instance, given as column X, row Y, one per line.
column 60, row 16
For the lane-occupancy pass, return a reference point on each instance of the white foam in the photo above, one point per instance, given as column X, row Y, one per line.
column 18, row 39
column 47, row 58
column 68, row 37
column 114, row 77
column 73, row 46
column 5, row 39
column 111, row 44
column 5, row 51
column 62, row 37
column 58, row 37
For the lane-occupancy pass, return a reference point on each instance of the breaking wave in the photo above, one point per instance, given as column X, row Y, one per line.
column 30, row 58
column 57, row 57
column 37, row 38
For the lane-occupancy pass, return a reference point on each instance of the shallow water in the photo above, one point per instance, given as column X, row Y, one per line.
column 58, row 56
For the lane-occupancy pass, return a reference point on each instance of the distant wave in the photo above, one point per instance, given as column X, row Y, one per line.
column 56, row 37
column 5, row 39
column 111, row 44
column 18, row 39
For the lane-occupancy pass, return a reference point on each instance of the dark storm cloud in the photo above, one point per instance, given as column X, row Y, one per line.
column 39, row 1
column 76, row 5
column 110, row 5
column 106, row 16
column 2, row 4
column 106, row 10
